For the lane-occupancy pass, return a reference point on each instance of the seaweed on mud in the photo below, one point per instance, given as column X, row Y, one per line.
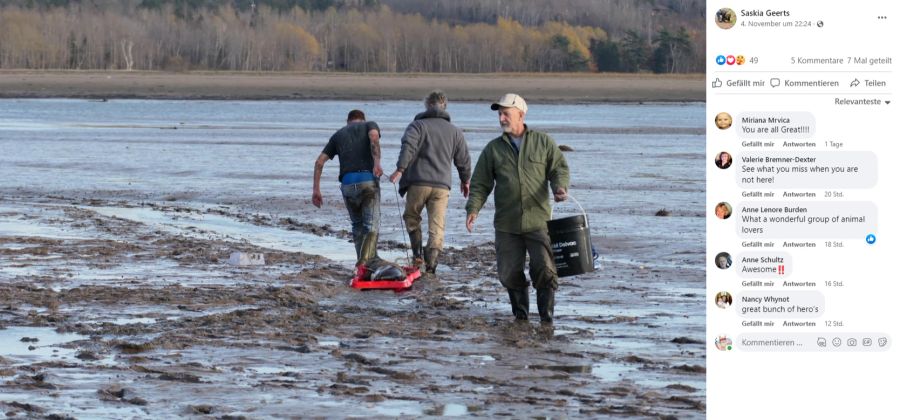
column 686, row 340
column 132, row 348
column 180, row 377
column 121, row 394
column 690, row 368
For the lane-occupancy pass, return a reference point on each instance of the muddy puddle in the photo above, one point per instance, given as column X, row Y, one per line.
column 130, row 309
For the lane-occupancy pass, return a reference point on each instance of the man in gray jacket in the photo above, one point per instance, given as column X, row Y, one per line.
column 430, row 145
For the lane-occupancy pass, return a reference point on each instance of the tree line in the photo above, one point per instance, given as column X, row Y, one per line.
column 316, row 35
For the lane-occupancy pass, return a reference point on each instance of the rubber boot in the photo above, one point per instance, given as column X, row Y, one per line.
column 546, row 299
column 518, row 298
column 368, row 248
column 431, row 259
column 415, row 243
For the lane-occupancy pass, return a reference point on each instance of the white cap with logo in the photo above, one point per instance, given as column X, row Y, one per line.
column 510, row 100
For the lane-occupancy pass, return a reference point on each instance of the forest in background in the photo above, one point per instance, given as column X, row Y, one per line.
column 392, row 36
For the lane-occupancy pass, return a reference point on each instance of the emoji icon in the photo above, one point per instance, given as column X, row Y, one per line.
column 730, row 60
column 740, row 60
column 720, row 60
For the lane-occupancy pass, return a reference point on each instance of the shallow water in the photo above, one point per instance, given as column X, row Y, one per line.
column 25, row 345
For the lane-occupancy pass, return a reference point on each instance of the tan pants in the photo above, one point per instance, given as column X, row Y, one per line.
column 435, row 200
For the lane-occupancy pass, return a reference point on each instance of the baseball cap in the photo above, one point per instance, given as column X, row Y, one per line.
column 510, row 100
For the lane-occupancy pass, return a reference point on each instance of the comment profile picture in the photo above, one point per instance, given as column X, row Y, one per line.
column 723, row 160
column 723, row 210
column 724, row 300
column 723, row 260
column 725, row 18
column 723, row 120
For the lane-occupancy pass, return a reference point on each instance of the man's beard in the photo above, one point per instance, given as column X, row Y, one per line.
column 506, row 128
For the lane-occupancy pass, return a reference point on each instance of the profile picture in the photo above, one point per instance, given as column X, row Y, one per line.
column 723, row 160
column 723, row 342
column 723, row 120
column 723, row 210
column 726, row 18
column 723, row 260
column 723, row 300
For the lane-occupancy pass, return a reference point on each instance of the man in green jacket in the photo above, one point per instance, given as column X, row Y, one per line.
column 517, row 166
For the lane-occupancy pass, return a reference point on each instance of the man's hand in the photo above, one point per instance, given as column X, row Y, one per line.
column 317, row 198
column 560, row 195
column 470, row 221
column 395, row 176
column 464, row 187
column 377, row 170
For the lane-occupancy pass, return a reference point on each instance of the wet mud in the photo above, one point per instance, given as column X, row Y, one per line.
column 117, row 317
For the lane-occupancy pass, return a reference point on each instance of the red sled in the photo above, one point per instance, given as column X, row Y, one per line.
column 358, row 282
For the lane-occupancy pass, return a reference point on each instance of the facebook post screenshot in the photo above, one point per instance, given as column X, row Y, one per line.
column 801, row 192
column 547, row 209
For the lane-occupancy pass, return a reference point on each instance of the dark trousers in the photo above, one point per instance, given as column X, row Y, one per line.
column 511, row 249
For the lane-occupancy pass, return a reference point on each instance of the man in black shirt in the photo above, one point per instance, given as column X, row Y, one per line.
column 359, row 152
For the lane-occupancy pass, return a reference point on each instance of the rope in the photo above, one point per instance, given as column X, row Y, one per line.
column 402, row 227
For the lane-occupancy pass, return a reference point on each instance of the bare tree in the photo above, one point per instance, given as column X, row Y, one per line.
column 127, row 46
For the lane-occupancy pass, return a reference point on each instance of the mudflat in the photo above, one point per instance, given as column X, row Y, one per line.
column 552, row 87
column 109, row 314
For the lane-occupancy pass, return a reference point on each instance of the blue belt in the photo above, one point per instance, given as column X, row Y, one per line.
column 357, row 177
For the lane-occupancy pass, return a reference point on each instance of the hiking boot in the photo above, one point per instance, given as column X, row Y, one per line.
column 546, row 299
column 415, row 243
column 431, row 259
column 518, row 298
